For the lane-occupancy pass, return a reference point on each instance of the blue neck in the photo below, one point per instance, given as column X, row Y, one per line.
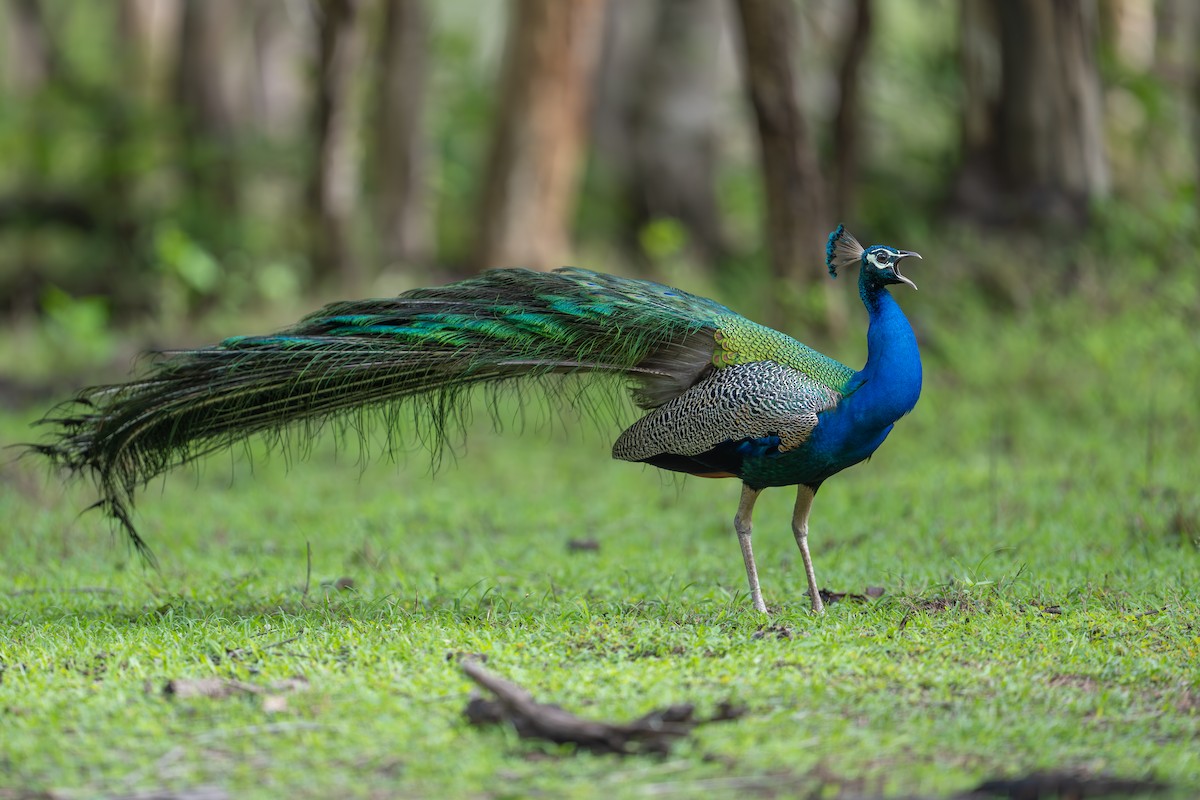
column 890, row 382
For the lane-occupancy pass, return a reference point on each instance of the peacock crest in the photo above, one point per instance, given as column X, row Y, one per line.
column 842, row 250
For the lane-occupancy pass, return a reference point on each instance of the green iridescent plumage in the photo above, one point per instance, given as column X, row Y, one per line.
column 741, row 341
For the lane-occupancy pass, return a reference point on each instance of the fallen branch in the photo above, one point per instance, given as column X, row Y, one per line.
column 653, row 733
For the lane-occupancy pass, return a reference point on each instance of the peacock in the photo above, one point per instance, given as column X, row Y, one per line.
column 724, row 397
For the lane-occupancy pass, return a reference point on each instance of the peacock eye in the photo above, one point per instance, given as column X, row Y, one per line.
column 883, row 259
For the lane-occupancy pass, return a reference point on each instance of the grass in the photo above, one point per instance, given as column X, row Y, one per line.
column 1034, row 526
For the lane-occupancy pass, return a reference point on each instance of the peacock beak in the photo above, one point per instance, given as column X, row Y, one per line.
column 896, row 267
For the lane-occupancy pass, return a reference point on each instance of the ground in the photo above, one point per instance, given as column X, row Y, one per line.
column 1031, row 527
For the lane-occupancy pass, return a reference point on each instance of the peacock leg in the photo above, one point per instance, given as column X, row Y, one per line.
column 804, row 499
column 741, row 524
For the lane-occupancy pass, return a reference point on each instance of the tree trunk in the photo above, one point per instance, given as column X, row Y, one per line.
column 28, row 58
column 1126, row 33
column 278, row 84
column 401, row 147
column 1176, row 27
column 334, row 184
column 1194, row 109
column 207, row 83
column 628, row 32
column 796, row 218
column 1177, row 62
column 148, row 28
column 846, row 122
column 672, row 120
column 1033, row 146
column 538, row 139
column 148, row 31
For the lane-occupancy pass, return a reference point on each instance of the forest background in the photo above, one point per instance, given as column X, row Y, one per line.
column 162, row 159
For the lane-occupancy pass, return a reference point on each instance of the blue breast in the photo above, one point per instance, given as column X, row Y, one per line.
column 884, row 390
column 836, row 444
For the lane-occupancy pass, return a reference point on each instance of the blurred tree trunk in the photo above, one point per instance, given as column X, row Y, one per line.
column 1195, row 114
column 30, row 63
column 334, row 184
column 206, row 85
column 278, row 87
column 672, row 123
column 538, row 139
column 1127, row 32
column 628, row 35
column 28, row 58
column 147, row 30
column 1176, row 28
column 401, row 147
column 1033, row 144
column 1177, row 62
column 846, row 122
column 797, row 221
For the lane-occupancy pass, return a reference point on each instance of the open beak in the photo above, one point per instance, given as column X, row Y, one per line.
column 896, row 267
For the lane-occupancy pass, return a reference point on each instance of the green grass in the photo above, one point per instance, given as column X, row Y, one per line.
column 1037, row 545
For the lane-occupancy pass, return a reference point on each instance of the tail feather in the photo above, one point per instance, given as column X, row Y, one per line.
column 424, row 349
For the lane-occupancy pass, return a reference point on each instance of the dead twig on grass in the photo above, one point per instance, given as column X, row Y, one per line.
column 653, row 733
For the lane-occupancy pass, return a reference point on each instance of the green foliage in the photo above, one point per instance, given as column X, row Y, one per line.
column 184, row 261
column 663, row 238
column 910, row 109
column 77, row 328
column 466, row 86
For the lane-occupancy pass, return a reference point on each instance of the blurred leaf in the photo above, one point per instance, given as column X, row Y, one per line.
column 78, row 326
column 277, row 282
column 180, row 256
column 663, row 238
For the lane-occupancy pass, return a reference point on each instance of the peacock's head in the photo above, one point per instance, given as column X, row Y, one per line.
column 879, row 262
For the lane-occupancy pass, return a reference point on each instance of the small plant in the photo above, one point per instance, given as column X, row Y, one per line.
column 78, row 328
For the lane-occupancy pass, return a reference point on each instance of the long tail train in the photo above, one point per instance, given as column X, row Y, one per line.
column 424, row 347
